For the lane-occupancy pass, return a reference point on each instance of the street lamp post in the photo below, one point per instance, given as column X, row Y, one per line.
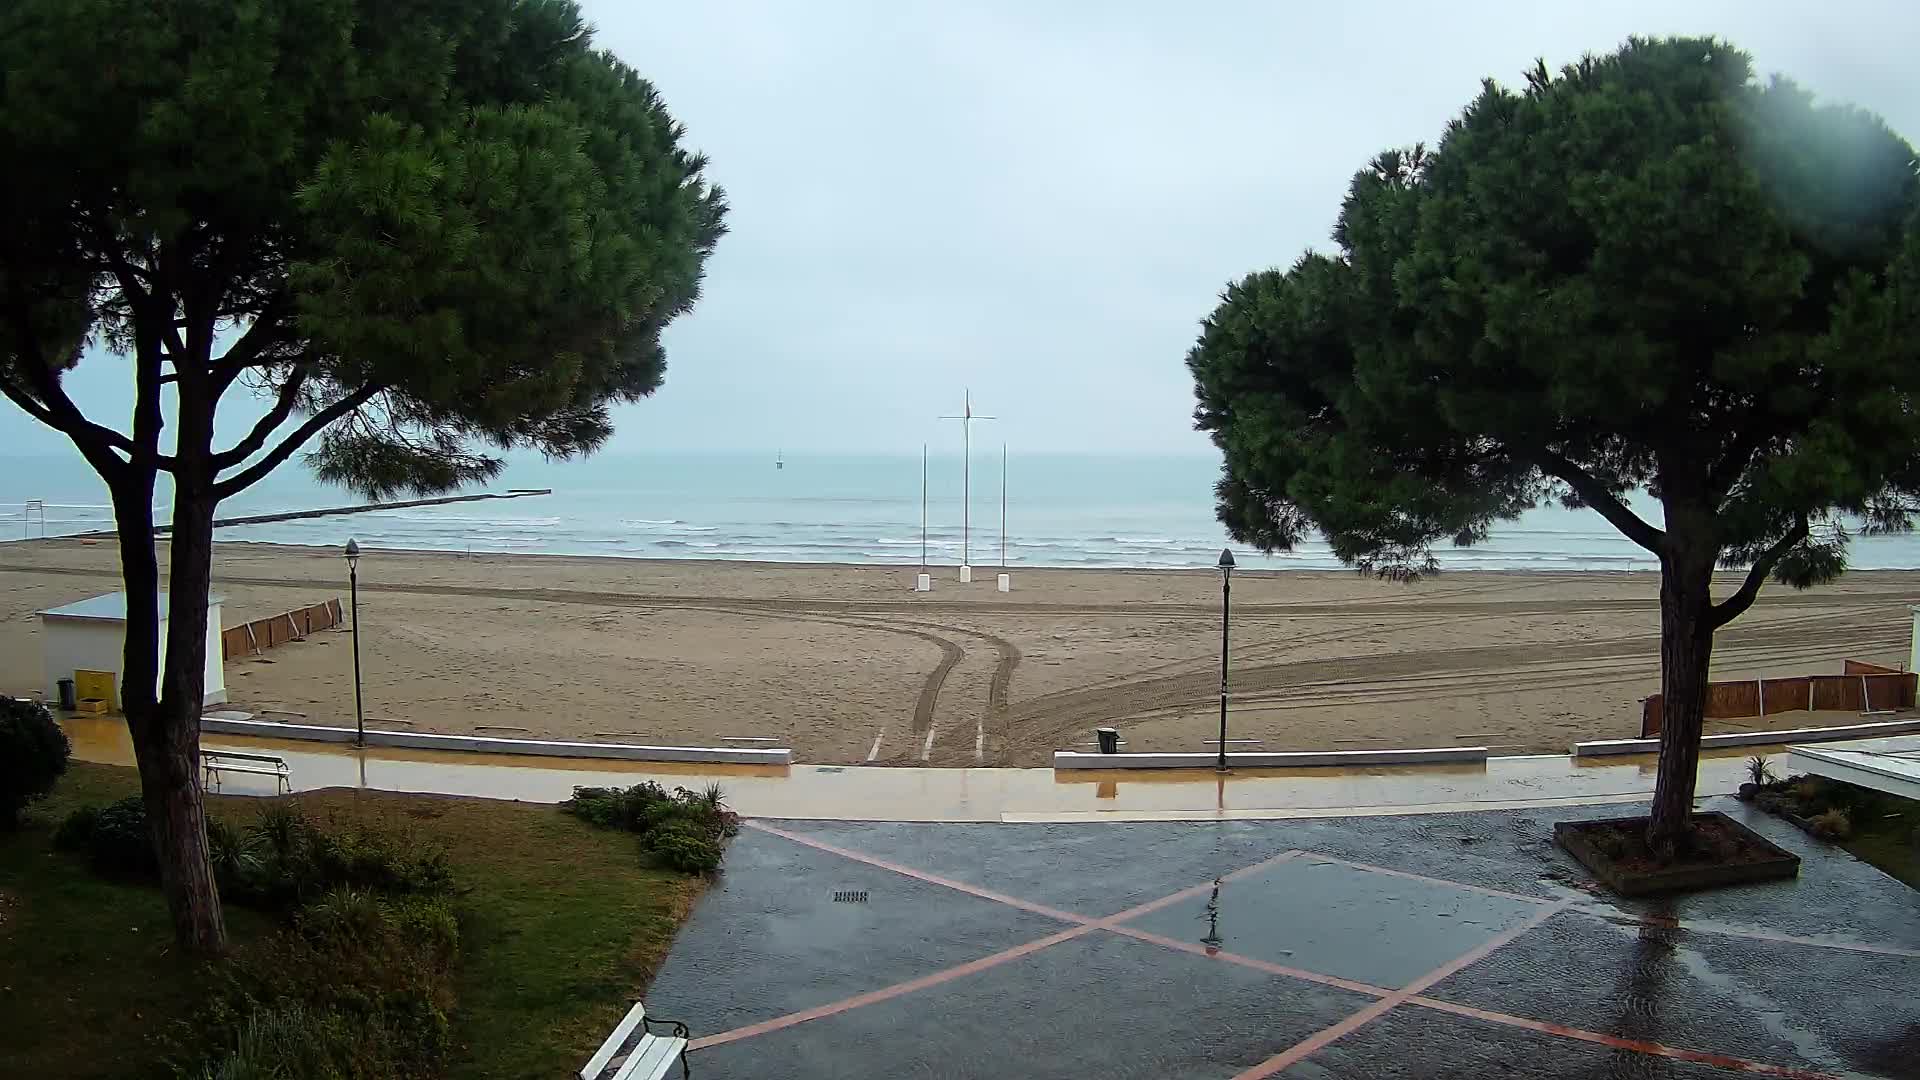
column 353, row 590
column 1226, row 599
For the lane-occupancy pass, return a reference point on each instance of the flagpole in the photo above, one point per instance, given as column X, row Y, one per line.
column 923, row 506
column 1003, row 506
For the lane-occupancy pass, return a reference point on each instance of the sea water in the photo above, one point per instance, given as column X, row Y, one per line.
column 1060, row 510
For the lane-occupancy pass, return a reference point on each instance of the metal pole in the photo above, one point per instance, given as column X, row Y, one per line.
column 1003, row 506
column 1226, row 600
column 966, row 486
column 923, row 506
column 359, row 713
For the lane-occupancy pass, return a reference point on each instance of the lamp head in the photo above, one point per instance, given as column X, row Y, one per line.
column 353, row 553
column 1226, row 560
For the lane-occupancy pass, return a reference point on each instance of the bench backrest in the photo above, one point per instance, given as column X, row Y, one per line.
column 234, row 755
column 614, row 1041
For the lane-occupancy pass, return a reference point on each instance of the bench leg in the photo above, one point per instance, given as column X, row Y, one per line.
column 684, row 1071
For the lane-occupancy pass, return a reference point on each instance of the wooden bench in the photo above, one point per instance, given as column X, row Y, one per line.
column 216, row 762
column 633, row 1052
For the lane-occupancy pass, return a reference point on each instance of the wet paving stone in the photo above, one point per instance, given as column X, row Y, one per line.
column 790, row 927
column 1419, row 1044
column 1693, row 991
column 1101, row 1005
column 771, row 938
column 1339, row 920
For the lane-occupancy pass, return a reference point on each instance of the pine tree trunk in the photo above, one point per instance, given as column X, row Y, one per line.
column 166, row 735
column 1686, row 655
column 178, row 813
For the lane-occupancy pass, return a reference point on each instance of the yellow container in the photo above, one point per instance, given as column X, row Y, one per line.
column 96, row 685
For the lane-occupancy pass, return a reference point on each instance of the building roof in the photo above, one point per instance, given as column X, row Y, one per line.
column 109, row 607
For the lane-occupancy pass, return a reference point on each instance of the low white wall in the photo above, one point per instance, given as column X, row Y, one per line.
column 1073, row 759
column 1604, row 747
column 486, row 745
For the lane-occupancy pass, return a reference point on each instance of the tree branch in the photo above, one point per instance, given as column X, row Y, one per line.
column 1727, row 471
column 315, row 424
column 1731, row 608
column 283, row 407
column 262, row 335
column 1595, row 494
column 52, row 405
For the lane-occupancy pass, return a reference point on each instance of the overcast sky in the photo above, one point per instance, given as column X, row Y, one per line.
column 1040, row 201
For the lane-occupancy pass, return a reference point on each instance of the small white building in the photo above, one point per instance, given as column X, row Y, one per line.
column 90, row 635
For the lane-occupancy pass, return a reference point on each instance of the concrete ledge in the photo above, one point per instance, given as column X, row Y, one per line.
column 1605, row 747
column 1256, row 759
column 1880, row 772
column 727, row 755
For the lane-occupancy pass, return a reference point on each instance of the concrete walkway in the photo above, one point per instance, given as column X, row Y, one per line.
column 993, row 795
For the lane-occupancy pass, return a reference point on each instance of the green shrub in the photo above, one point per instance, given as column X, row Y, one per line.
column 33, row 754
column 368, row 858
column 234, row 854
column 685, row 847
column 428, row 922
column 120, row 844
column 75, row 832
column 344, row 916
column 1834, row 824
column 683, row 830
column 288, row 1042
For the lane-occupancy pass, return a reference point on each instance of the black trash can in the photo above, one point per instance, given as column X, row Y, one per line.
column 68, row 702
column 1109, row 739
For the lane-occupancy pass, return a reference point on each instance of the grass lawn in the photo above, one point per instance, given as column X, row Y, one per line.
column 560, row 927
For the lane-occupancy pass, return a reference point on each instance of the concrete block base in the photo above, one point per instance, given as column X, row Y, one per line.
column 1256, row 759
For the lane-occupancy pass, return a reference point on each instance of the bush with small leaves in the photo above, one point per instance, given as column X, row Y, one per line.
column 33, row 754
column 681, row 829
column 120, row 844
column 683, row 847
column 75, row 832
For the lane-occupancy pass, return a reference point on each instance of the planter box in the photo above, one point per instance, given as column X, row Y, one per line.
column 1772, row 863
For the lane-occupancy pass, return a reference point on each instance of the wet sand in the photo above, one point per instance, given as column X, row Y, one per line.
column 847, row 664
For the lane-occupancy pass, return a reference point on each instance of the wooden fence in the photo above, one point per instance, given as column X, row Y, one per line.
column 1861, row 688
column 258, row 636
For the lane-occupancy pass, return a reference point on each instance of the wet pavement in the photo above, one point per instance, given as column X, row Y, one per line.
column 1462, row 944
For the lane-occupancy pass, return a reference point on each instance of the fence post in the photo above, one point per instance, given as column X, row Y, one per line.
column 1760, row 692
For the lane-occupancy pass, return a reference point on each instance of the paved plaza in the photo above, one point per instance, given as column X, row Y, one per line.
column 1456, row 945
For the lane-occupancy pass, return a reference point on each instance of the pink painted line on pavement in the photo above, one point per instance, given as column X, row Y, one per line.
column 1325, row 1037
column 1083, row 926
column 1317, row 857
column 944, row 975
column 1226, row 957
column 921, row 875
column 1638, row 1046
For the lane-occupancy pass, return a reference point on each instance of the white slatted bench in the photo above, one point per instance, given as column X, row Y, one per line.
column 633, row 1052
column 216, row 762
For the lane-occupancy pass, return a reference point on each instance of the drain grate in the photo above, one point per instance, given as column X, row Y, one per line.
column 850, row 896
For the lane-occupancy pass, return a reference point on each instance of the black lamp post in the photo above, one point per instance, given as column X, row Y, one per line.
column 353, row 588
column 1226, row 599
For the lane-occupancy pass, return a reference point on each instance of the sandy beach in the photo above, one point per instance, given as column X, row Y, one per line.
column 846, row 664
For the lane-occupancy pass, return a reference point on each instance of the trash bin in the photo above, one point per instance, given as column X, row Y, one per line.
column 68, row 699
column 1109, row 739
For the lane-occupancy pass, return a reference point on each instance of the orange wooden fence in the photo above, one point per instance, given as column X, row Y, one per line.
column 1862, row 687
column 262, row 634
